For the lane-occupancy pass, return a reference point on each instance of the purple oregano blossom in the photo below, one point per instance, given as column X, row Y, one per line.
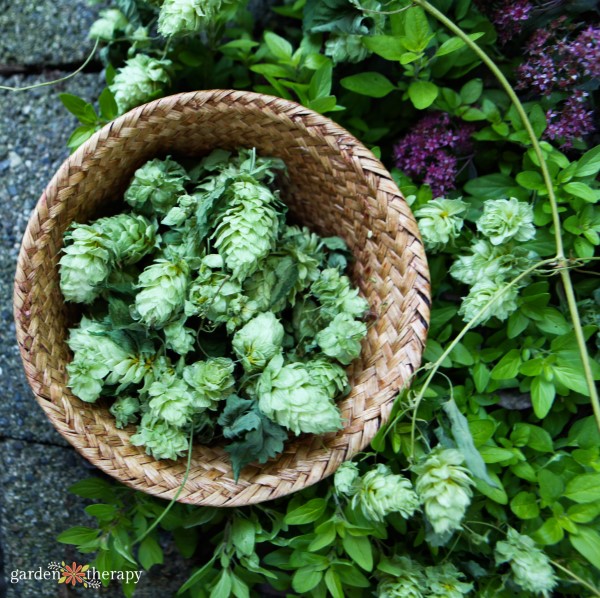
column 573, row 121
column 508, row 16
column 429, row 151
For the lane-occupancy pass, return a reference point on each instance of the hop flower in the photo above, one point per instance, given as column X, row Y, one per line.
column 110, row 21
column 443, row 581
column 179, row 338
column 161, row 440
column 141, row 79
column 530, row 566
column 440, row 221
column 489, row 261
column 382, row 492
column 345, row 479
column 408, row 581
column 328, row 375
column 156, row 186
column 506, row 219
column 289, row 396
column 181, row 17
column 248, row 229
column 171, row 401
column 130, row 236
column 86, row 263
column 305, row 321
column 210, row 381
column 481, row 294
column 258, row 341
column 86, row 377
column 125, row 410
column 341, row 339
column 444, row 489
column 164, row 285
column 336, row 295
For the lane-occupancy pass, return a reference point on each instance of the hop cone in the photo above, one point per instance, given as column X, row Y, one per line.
column 444, row 489
column 86, row 263
column 248, row 230
column 181, row 17
column 163, row 289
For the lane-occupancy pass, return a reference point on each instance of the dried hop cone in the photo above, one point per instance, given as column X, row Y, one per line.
column 163, row 287
column 382, row 492
column 444, row 489
column 248, row 229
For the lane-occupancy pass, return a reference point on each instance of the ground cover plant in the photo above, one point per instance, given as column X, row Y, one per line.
column 486, row 479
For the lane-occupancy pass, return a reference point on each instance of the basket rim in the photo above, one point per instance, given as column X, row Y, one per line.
column 23, row 284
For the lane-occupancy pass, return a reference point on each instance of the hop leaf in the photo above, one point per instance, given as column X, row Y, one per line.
column 141, row 79
column 156, row 186
column 530, row 566
column 382, row 492
column 444, row 488
column 163, row 290
column 248, row 229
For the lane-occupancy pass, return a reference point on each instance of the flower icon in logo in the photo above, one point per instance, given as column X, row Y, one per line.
column 73, row 574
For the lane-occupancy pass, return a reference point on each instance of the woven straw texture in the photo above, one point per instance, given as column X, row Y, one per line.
column 335, row 186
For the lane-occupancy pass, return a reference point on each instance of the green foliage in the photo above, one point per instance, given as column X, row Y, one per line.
column 510, row 395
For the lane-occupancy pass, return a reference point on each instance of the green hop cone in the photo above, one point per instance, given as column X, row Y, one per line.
column 531, row 568
column 86, row 377
column 440, row 221
column 258, row 341
column 444, row 581
column 248, row 229
column 130, row 237
column 506, row 219
column 480, row 295
column 336, row 295
column 444, row 489
column 341, row 339
column 163, row 290
column 141, row 79
column 345, row 480
column 156, row 186
column 382, row 492
column 181, row 17
column 170, row 400
column 125, row 410
column 179, row 338
column 289, row 396
column 110, row 21
column 162, row 440
column 86, row 263
column 330, row 376
column 408, row 580
column 210, row 381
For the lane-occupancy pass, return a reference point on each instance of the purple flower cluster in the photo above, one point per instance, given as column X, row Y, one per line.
column 556, row 63
column 429, row 151
column 509, row 17
column 573, row 121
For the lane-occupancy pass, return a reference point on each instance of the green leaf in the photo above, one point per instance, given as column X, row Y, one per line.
column 320, row 82
column 278, row 46
column 239, row 588
column 369, row 83
column 270, row 70
column 223, row 587
column 461, row 355
column 150, row 553
column 422, row 94
column 508, row 367
column 101, row 511
column 532, row 436
column 589, row 163
column 351, row 576
column 417, row 33
column 306, row 579
column 481, row 376
column 78, row 535
column 323, row 105
column 495, row 454
column 550, row 533
column 84, row 111
column 584, row 488
column 495, row 186
column 387, row 46
column 307, row 513
column 470, row 92
column 333, row 583
column 95, row 488
column 583, row 513
column 551, row 486
column 326, row 535
column 462, row 436
column 243, row 535
column 495, row 492
column 455, row 43
column 517, row 323
column 108, row 105
column 80, row 135
column 571, row 376
column 542, row 396
column 524, row 505
column 587, row 543
column 197, row 576
column 581, row 190
column 359, row 550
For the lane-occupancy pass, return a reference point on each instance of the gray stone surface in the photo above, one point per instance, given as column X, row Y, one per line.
column 36, row 464
column 41, row 32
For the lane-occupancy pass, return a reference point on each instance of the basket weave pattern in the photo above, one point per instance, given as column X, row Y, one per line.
column 335, row 187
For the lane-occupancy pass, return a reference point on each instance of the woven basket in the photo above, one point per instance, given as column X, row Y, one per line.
column 335, row 187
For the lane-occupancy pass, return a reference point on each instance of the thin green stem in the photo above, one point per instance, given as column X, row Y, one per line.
column 560, row 252
column 179, row 490
column 578, row 579
column 474, row 320
column 54, row 81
